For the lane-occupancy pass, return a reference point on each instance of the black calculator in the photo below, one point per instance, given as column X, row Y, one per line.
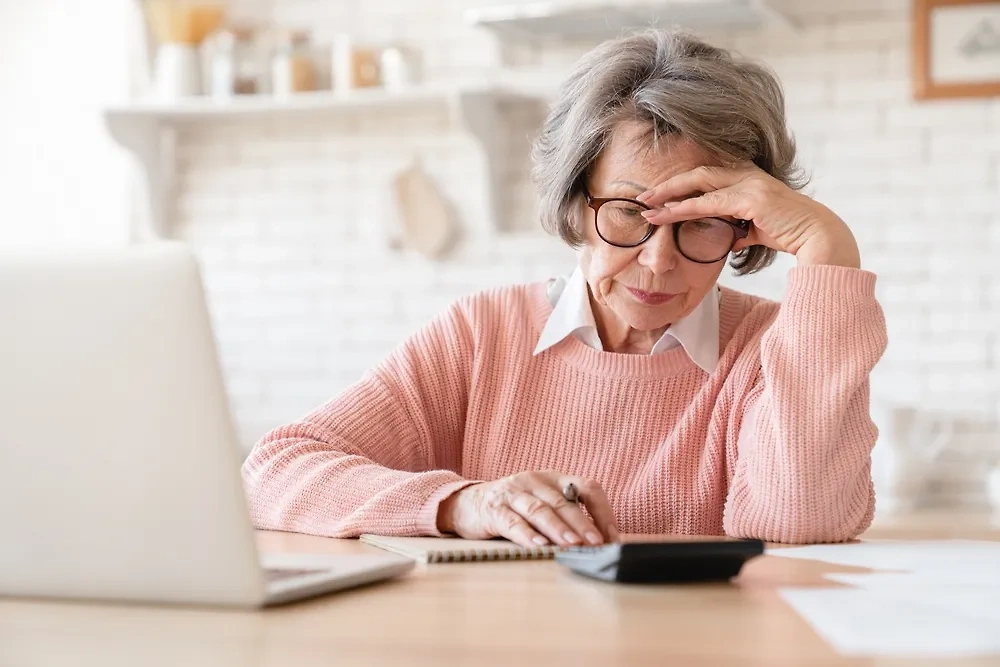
column 662, row 561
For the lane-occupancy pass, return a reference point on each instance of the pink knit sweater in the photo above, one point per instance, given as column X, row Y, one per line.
column 775, row 444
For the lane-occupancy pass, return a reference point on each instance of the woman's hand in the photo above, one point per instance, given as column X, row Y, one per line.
column 529, row 508
column 782, row 218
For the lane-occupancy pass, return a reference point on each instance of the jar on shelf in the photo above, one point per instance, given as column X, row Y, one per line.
column 398, row 67
column 292, row 68
column 354, row 66
column 180, row 29
column 235, row 67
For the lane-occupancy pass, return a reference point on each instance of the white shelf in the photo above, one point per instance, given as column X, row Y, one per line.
column 600, row 19
column 200, row 109
column 148, row 128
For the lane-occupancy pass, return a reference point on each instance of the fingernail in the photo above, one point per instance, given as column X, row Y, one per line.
column 594, row 538
column 652, row 213
column 571, row 538
column 645, row 195
column 540, row 541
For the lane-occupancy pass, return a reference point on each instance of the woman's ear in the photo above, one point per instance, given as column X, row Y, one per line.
column 576, row 217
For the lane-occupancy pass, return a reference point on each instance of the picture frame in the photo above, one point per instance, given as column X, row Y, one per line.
column 956, row 48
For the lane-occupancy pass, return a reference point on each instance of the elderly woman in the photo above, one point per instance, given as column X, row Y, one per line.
column 673, row 405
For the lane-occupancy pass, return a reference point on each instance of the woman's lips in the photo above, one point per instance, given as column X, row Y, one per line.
column 650, row 298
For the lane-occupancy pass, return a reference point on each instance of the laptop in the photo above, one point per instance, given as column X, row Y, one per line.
column 119, row 462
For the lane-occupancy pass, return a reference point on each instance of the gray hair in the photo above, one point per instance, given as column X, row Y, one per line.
column 732, row 108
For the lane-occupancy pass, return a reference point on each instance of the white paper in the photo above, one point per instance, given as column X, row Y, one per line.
column 939, row 599
column 983, row 579
column 940, row 559
column 967, row 599
column 877, row 623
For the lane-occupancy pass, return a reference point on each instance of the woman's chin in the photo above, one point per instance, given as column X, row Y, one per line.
column 646, row 318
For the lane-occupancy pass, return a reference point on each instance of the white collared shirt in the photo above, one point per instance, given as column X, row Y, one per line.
column 698, row 333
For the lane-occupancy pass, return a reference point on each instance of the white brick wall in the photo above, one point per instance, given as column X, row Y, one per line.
column 290, row 217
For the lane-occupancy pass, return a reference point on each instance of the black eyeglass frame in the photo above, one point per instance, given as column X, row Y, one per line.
column 740, row 227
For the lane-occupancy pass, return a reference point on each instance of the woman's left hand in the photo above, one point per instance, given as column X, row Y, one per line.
column 782, row 218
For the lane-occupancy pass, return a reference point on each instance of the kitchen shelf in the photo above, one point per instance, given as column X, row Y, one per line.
column 207, row 108
column 600, row 19
column 148, row 128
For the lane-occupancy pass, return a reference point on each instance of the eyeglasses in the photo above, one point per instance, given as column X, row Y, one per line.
column 619, row 222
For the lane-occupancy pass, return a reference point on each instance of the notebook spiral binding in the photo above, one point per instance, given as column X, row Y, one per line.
column 471, row 555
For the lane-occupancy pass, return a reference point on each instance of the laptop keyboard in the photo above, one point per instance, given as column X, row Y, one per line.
column 278, row 574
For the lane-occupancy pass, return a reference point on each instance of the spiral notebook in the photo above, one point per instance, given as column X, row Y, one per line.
column 454, row 550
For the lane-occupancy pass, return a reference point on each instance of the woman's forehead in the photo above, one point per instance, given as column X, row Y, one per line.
column 631, row 157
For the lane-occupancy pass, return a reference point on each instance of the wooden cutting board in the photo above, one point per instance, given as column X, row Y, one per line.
column 428, row 219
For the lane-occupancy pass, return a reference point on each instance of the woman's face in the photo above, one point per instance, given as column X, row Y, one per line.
column 648, row 287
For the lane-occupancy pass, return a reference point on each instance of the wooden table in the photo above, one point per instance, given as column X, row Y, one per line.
column 510, row 614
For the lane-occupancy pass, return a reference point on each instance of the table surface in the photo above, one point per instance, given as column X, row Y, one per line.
column 505, row 613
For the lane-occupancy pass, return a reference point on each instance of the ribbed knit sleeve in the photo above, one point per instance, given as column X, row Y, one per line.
column 379, row 457
column 803, row 469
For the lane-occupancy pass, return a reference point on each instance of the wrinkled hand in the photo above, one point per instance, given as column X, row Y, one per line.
column 529, row 508
column 782, row 218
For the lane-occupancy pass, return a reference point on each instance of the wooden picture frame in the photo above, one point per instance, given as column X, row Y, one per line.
column 956, row 48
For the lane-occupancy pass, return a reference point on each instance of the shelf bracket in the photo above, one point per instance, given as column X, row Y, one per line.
column 479, row 114
column 152, row 146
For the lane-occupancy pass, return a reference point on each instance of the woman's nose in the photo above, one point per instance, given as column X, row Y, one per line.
column 659, row 253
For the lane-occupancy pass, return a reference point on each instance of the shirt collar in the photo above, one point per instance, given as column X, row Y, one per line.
column 697, row 333
column 571, row 313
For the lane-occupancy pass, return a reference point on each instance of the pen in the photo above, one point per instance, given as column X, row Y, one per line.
column 570, row 493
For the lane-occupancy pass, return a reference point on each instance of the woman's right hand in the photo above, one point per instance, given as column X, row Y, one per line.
column 529, row 508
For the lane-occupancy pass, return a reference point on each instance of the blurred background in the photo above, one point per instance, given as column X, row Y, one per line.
column 346, row 168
